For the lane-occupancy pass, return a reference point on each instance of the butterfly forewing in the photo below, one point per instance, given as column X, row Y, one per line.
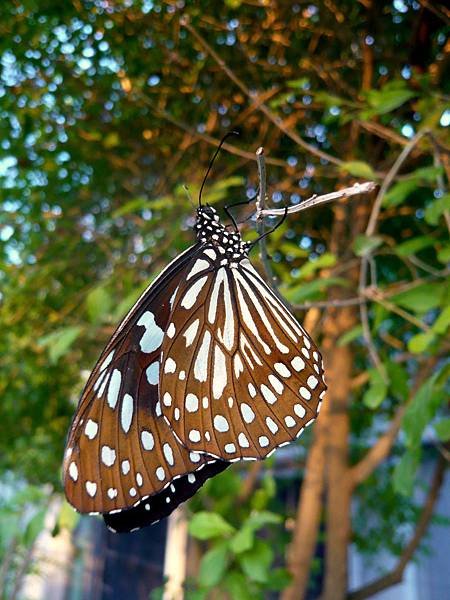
column 120, row 449
column 240, row 376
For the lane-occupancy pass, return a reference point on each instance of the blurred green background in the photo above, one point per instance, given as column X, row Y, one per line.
column 109, row 107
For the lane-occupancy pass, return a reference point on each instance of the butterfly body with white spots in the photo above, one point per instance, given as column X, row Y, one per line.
column 207, row 368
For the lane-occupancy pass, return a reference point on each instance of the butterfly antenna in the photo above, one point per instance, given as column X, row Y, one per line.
column 222, row 141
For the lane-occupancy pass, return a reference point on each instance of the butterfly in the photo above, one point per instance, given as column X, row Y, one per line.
column 209, row 367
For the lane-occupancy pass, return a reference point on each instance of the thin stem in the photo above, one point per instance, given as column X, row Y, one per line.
column 354, row 190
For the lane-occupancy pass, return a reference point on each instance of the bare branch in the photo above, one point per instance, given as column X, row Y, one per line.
column 329, row 303
column 371, row 225
column 212, row 140
column 255, row 98
column 396, row 575
column 354, row 190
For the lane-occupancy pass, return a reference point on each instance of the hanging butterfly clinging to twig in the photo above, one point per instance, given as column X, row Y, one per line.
column 207, row 368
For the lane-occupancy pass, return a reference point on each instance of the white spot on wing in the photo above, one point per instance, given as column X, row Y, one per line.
column 219, row 373
column 170, row 366
column 147, row 439
column 271, row 425
column 108, row 456
column 191, row 332
column 199, row 266
column 221, row 424
column 91, row 429
column 191, row 403
column 168, row 453
column 201, row 362
column 299, row 410
column 91, row 488
column 114, row 388
column 269, row 396
column 107, row 361
column 126, row 414
column 73, row 471
column 194, row 435
column 298, row 363
column 152, row 373
column 243, row 441
column 282, row 370
column 247, row 414
column 190, row 297
column 153, row 336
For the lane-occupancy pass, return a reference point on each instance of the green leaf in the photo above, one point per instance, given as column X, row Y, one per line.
column 350, row 335
column 442, row 323
column 388, row 99
column 111, row 140
column 34, row 527
column 423, row 407
column 243, row 540
column 442, row 429
column 358, row 168
column 398, row 379
column 132, row 206
column 207, row 525
column 278, row 579
column 421, row 298
column 213, row 566
column 443, row 255
column 399, row 192
column 258, row 519
column 98, row 304
column 312, row 289
column 325, row 260
column 59, row 342
column 256, row 562
column 238, row 587
column 377, row 390
column 420, row 342
column 67, row 518
column 298, row 83
column 405, row 472
column 436, row 209
column 415, row 245
column 364, row 244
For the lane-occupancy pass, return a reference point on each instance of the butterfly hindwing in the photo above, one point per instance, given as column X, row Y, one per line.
column 160, row 505
column 241, row 376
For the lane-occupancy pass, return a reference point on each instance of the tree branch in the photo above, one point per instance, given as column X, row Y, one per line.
column 354, row 190
column 396, row 575
column 254, row 97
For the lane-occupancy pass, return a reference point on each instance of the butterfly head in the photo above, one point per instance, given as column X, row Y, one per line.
column 209, row 229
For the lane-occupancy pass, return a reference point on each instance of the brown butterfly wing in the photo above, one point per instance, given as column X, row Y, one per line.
column 241, row 376
column 120, row 449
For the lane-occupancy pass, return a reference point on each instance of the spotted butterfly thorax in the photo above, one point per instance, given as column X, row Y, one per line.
column 207, row 368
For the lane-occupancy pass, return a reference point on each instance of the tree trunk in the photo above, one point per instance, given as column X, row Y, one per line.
column 339, row 365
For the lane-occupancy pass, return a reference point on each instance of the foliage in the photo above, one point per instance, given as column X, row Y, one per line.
column 108, row 109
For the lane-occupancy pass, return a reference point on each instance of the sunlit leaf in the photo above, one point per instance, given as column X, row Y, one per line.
column 358, row 168
column 206, row 525
column 213, row 565
column 60, row 341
